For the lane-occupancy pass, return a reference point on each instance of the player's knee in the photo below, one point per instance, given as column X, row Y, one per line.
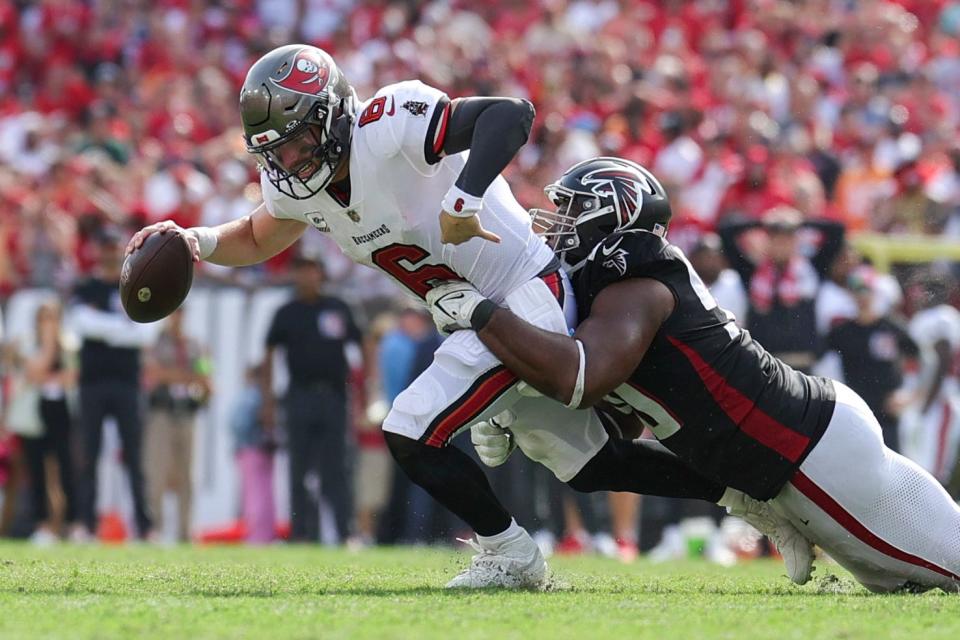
column 401, row 447
column 584, row 483
column 412, row 456
column 593, row 476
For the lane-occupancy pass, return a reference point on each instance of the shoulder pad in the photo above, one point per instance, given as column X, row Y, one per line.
column 626, row 251
column 400, row 118
column 631, row 254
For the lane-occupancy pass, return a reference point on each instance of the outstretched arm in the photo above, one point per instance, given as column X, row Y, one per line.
column 494, row 130
column 622, row 323
column 252, row 239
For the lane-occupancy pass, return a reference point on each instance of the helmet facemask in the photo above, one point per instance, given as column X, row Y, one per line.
column 303, row 162
column 577, row 224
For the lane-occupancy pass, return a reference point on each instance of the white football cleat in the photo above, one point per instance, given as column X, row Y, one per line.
column 796, row 550
column 515, row 563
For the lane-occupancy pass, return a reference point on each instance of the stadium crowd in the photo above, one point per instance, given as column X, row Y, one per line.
column 784, row 130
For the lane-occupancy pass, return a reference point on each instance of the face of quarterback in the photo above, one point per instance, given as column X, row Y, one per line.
column 298, row 155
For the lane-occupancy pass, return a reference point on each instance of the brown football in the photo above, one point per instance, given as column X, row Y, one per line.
column 156, row 278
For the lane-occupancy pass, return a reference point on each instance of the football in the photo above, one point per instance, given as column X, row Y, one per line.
column 156, row 278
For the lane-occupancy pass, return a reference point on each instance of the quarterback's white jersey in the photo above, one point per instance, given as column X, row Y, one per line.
column 391, row 222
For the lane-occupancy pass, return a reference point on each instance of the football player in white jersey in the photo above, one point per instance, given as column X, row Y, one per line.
column 375, row 176
column 930, row 426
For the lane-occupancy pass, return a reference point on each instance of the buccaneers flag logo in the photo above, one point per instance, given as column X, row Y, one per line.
column 624, row 185
column 308, row 74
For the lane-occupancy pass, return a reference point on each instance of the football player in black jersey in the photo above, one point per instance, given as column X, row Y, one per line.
column 652, row 338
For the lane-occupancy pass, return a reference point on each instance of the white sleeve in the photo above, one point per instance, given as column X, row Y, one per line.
column 406, row 117
column 112, row 328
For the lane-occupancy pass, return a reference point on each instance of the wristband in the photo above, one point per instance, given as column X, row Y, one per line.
column 461, row 204
column 577, row 396
column 481, row 315
column 207, row 238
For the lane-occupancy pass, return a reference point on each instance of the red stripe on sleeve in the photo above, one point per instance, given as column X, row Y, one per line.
column 442, row 131
column 752, row 420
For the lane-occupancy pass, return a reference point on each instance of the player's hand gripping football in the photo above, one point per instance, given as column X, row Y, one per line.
column 452, row 305
column 167, row 226
column 493, row 440
column 457, row 230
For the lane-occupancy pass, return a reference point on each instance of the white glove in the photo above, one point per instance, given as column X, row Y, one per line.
column 493, row 440
column 452, row 304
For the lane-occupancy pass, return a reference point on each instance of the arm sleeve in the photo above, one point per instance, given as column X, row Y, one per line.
column 729, row 235
column 494, row 129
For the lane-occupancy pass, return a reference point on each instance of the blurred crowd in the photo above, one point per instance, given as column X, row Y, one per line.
column 781, row 128
column 124, row 111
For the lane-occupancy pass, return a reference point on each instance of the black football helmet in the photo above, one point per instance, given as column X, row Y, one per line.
column 595, row 198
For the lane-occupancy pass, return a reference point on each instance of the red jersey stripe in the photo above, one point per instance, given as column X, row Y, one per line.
column 835, row 510
column 442, row 131
column 751, row 419
column 472, row 406
column 552, row 281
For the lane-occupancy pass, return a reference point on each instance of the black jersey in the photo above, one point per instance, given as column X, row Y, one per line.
column 707, row 391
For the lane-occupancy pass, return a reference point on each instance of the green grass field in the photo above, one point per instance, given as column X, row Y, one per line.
column 308, row 592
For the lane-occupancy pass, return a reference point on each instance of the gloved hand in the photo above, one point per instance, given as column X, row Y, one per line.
column 452, row 304
column 493, row 440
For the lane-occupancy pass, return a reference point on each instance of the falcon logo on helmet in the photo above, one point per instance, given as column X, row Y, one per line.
column 308, row 74
column 624, row 189
column 596, row 198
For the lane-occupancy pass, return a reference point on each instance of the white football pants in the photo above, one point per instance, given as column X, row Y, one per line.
column 466, row 384
column 875, row 512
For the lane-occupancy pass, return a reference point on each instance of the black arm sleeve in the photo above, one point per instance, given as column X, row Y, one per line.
column 833, row 235
column 729, row 235
column 493, row 129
